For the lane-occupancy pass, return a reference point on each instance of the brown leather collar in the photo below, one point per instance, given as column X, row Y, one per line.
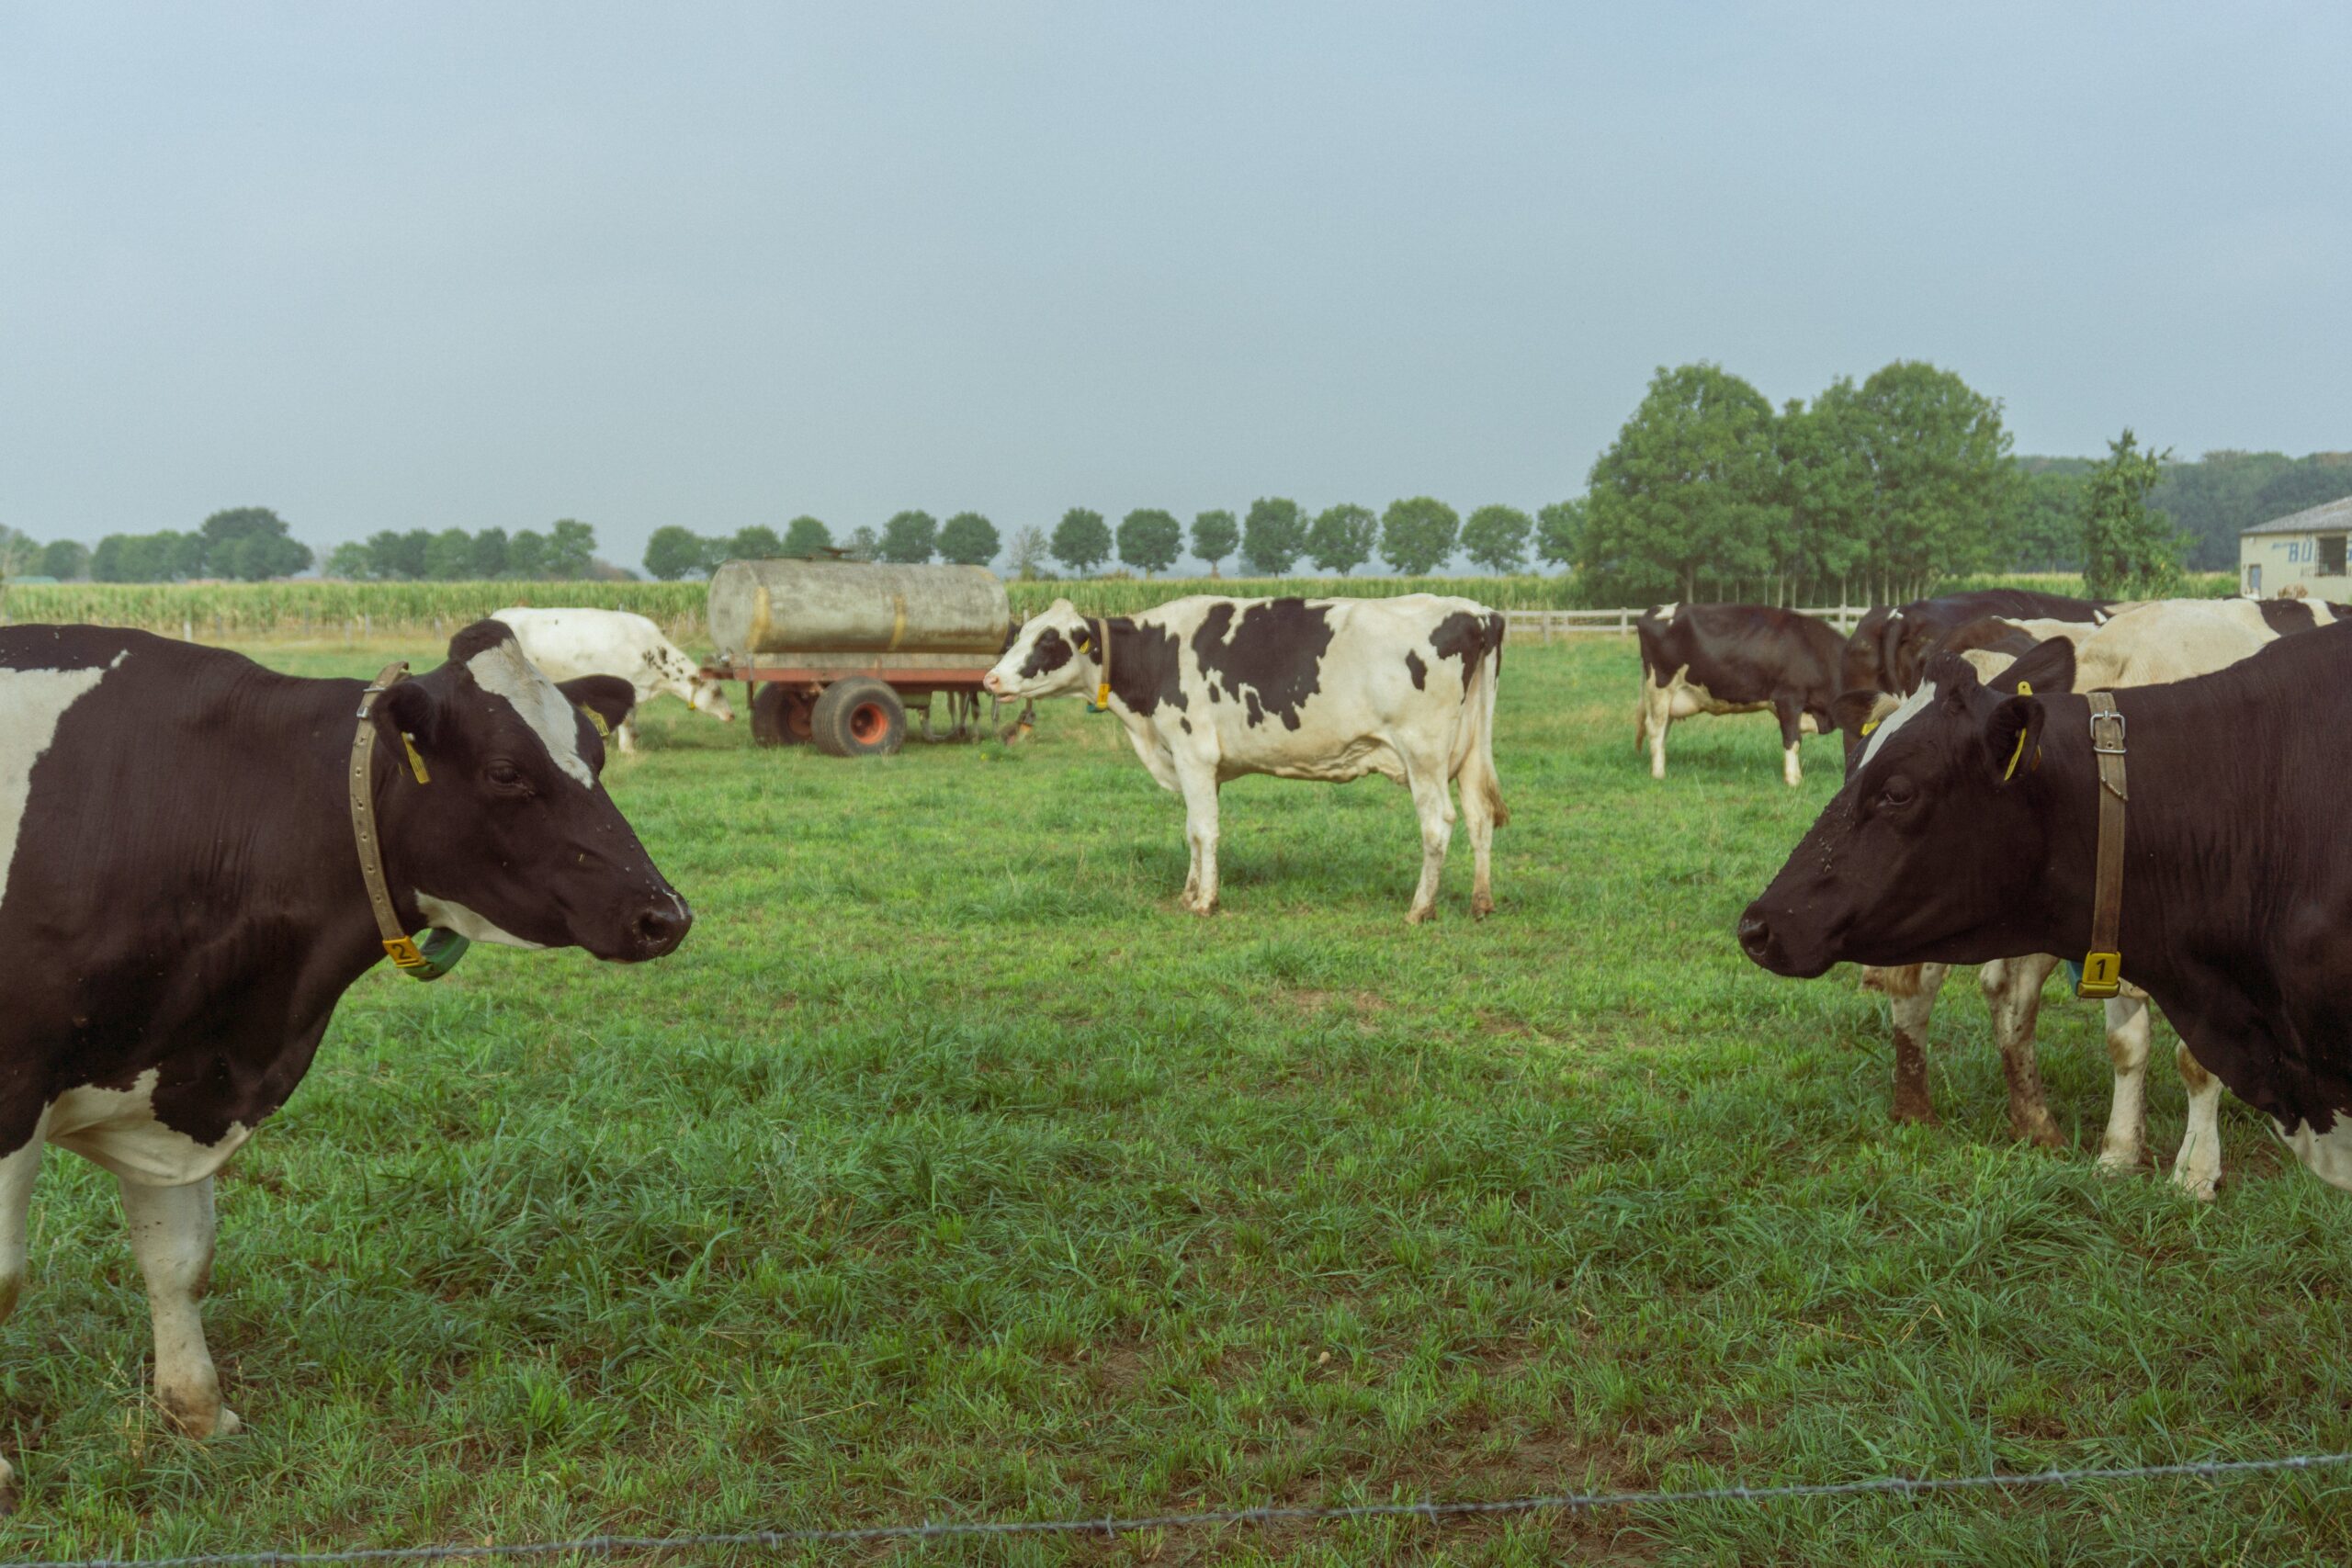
column 2103, row 964
column 440, row 949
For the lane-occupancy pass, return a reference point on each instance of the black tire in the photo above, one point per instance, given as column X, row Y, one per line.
column 860, row 716
column 772, row 712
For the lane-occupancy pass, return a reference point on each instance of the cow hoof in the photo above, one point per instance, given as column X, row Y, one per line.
column 1918, row 1112
column 1419, row 917
column 2114, row 1162
column 190, row 1420
column 2043, row 1136
column 2198, row 1186
column 1481, row 908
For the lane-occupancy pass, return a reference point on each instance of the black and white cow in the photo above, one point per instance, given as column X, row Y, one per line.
column 182, row 905
column 1719, row 659
column 1889, row 647
column 1211, row 689
column 2236, row 879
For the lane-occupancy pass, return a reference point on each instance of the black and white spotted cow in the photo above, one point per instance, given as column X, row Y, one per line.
column 1890, row 646
column 569, row 643
column 182, row 904
column 1211, row 689
column 1722, row 658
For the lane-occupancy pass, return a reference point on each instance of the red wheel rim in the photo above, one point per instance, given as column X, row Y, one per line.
column 868, row 723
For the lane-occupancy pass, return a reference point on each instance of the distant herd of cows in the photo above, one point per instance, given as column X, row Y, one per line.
column 199, row 856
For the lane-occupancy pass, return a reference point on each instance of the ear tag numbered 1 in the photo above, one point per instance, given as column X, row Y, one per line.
column 416, row 758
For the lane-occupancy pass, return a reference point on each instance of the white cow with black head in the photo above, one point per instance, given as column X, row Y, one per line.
column 1212, row 688
column 569, row 643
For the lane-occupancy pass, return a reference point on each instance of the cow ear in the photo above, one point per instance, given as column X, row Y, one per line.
column 2049, row 668
column 408, row 708
column 2013, row 737
column 607, row 699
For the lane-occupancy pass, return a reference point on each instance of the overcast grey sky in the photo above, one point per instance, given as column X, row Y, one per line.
column 431, row 265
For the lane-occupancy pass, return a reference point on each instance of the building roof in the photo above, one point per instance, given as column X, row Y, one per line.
column 2328, row 517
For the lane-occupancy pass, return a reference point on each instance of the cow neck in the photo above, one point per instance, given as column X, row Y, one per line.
column 2103, row 964
column 439, row 950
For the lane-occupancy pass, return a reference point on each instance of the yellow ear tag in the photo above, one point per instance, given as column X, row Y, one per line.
column 1869, row 727
column 1103, row 695
column 415, row 762
column 596, row 721
column 2025, row 689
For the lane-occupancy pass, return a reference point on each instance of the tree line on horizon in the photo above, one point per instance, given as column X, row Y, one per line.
column 1414, row 537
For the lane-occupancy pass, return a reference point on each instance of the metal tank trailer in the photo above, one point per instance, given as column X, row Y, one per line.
column 834, row 652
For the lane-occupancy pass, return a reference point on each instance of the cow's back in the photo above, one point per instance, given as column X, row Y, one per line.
column 568, row 643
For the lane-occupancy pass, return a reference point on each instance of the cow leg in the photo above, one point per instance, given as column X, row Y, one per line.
column 171, row 1232
column 2197, row 1169
column 1479, row 793
column 1791, row 711
column 2128, row 1029
column 1911, row 988
column 1433, row 803
column 2013, row 993
column 1199, row 787
column 1657, row 706
column 19, row 1170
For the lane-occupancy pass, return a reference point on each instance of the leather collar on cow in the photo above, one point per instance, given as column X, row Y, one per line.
column 2103, row 964
column 439, row 950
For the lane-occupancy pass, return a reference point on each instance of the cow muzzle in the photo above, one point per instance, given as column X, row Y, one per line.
column 657, row 928
column 1768, row 946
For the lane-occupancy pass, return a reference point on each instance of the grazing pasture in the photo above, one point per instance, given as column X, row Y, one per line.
column 952, row 1169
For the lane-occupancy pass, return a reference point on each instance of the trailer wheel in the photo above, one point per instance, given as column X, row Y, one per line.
column 860, row 716
column 780, row 717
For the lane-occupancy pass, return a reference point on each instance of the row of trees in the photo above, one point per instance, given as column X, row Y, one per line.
column 565, row 552
column 1414, row 537
column 1874, row 491
column 244, row 544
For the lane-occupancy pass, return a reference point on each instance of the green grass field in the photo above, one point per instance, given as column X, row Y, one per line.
column 951, row 1171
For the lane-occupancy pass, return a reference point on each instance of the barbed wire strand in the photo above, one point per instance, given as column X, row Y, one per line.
column 1569, row 1502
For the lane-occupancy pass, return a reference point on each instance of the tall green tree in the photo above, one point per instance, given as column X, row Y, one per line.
column 1215, row 535
column 1945, row 494
column 490, row 553
column 2130, row 550
column 967, row 539
column 1341, row 538
column 250, row 544
column 1686, row 495
column 804, row 535
column 450, row 557
column 349, row 562
column 672, row 553
column 1416, row 535
column 1828, row 488
column 910, row 538
column 1273, row 535
column 1025, row 556
column 1495, row 537
column 1150, row 539
column 864, row 544
column 65, row 559
column 2049, row 535
column 1081, row 539
column 572, row 546
column 757, row 542
column 1559, row 531
column 526, row 555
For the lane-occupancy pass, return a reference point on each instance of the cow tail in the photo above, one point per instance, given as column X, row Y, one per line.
column 1482, row 740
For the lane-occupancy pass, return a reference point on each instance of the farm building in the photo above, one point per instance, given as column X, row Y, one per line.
column 2301, row 549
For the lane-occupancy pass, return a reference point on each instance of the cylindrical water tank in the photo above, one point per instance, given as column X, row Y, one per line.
column 838, row 606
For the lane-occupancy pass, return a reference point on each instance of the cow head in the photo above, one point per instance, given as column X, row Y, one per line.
column 513, row 838
column 1935, row 845
column 1050, row 654
column 705, row 696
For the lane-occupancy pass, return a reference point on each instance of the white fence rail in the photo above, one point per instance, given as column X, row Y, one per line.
column 1543, row 626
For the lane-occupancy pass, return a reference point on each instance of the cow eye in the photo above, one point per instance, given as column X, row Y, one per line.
column 504, row 775
column 1896, row 791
